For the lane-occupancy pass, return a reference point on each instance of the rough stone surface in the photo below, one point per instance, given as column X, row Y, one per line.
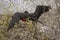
column 50, row 30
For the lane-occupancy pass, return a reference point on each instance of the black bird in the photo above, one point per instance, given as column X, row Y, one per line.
column 40, row 9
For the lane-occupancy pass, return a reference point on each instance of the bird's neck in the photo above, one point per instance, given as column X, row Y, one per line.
column 38, row 13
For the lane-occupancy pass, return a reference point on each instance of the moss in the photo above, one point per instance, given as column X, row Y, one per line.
column 4, row 20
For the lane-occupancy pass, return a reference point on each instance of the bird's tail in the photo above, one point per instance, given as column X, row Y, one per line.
column 14, row 19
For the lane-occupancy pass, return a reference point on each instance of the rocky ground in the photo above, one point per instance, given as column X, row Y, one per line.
column 50, row 30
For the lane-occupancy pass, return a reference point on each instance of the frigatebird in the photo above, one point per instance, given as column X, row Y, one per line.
column 40, row 9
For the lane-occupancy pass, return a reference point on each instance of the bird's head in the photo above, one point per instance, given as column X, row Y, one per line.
column 43, row 9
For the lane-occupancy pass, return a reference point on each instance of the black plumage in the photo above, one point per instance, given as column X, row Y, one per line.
column 40, row 9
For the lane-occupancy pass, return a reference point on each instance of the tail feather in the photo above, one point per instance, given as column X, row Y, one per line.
column 14, row 19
